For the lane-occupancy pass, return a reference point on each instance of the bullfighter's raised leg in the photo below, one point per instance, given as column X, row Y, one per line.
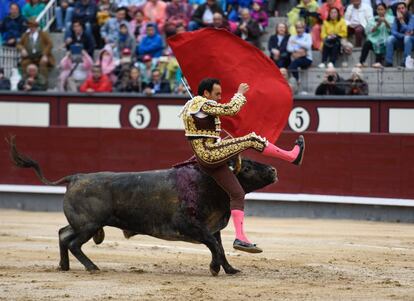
column 66, row 234
column 226, row 265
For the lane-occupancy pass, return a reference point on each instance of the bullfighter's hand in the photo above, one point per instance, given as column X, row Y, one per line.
column 243, row 88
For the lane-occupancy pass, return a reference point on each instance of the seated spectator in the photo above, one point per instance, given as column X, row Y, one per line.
column 377, row 31
column 104, row 12
column 97, row 82
column 124, row 41
column 332, row 83
column 79, row 36
column 32, row 80
column 138, row 26
column 32, row 9
column 356, row 85
column 334, row 29
column 74, row 70
column 110, row 30
column 307, row 12
column 85, row 12
column 132, row 5
column 63, row 14
column 155, row 12
column 300, row 46
column 152, row 44
column 291, row 81
column 125, row 64
column 203, row 15
column 219, row 22
column 156, row 84
column 145, row 68
column 323, row 15
column 178, row 11
column 36, row 48
column 259, row 15
column 248, row 28
column 107, row 63
column 131, row 83
column 5, row 7
column 174, row 76
column 402, row 35
column 13, row 26
column 357, row 16
column 4, row 81
column 277, row 46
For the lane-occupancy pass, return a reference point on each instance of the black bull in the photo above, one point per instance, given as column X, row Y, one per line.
column 181, row 203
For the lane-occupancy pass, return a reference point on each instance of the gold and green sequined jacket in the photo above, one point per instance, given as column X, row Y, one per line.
column 209, row 126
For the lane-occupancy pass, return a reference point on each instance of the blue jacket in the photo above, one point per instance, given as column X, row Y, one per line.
column 398, row 30
column 13, row 28
column 85, row 13
column 151, row 45
column 5, row 5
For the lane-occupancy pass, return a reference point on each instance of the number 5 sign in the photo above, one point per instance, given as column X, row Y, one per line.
column 299, row 119
column 139, row 117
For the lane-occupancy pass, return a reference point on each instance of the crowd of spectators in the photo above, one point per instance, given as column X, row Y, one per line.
column 121, row 45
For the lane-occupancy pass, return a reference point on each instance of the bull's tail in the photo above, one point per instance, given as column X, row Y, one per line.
column 23, row 161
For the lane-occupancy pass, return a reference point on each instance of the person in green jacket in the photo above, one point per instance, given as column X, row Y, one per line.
column 32, row 9
column 377, row 32
column 307, row 12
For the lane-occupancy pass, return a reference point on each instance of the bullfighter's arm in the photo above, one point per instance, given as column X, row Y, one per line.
column 231, row 108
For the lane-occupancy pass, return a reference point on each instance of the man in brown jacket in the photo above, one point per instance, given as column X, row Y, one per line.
column 36, row 48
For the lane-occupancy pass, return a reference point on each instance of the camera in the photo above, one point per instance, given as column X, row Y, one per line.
column 76, row 52
column 331, row 78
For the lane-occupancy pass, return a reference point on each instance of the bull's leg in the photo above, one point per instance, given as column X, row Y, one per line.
column 65, row 236
column 76, row 243
column 226, row 265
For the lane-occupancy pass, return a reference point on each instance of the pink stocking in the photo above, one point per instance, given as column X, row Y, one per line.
column 272, row 150
column 238, row 218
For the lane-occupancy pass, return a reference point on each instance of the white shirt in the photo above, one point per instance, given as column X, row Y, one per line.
column 208, row 16
column 358, row 16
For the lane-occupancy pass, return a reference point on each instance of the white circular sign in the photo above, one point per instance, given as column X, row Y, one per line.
column 139, row 117
column 299, row 119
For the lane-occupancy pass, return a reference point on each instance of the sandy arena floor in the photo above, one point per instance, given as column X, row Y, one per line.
column 303, row 260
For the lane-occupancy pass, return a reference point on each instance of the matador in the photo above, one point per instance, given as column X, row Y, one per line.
column 201, row 116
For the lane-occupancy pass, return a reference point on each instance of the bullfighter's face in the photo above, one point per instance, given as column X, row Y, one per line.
column 215, row 93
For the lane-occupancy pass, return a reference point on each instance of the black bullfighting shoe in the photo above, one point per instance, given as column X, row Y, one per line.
column 246, row 247
column 301, row 143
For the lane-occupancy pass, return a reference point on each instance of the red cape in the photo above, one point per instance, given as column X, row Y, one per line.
column 220, row 54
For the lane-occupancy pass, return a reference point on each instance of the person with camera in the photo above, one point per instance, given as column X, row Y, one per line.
column 356, row 85
column 332, row 83
column 75, row 68
column 32, row 81
column 80, row 37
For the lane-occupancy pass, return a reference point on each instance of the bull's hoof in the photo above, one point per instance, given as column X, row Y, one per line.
column 214, row 269
column 92, row 269
column 63, row 267
column 231, row 271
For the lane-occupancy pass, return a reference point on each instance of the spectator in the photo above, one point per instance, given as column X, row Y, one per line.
column 63, row 14
column 13, row 26
column 104, row 12
column 146, row 67
column 300, row 45
column 178, row 11
column 378, row 30
column 138, row 26
column 152, row 44
column 155, row 12
column 36, row 48
column 4, row 82
column 334, row 29
column 132, row 82
column 291, row 81
column 107, row 63
column 219, row 22
column 174, row 76
column 79, row 36
column 5, row 7
column 84, row 11
column 277, row 46
column 32, row 80
column 132, row 5
column 357, row 16
column 156, row 85
column 323, row 15
column 97, row 82
column 124, row 41
column 332, row 83
column 259, row 15
column 110, row 30
column 307, row 12
column 203, row 15
column 401, row 37
column 75, row 69
column 248, row 29
column 356, row 85
column 125, row 64
column 32, row 9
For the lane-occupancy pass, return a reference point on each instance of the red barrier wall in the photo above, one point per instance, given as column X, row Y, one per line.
column 378, row 165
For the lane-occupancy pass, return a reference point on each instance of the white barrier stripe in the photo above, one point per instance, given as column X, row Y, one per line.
column 260, row 196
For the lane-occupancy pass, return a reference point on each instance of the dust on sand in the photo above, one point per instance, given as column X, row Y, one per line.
column 302, row 260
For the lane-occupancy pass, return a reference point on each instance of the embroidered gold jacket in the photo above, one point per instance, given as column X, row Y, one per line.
column 210, row 126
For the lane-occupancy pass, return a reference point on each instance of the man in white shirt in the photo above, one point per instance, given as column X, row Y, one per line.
column 357, row 16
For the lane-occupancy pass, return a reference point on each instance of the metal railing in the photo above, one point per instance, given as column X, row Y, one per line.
column 47, row 16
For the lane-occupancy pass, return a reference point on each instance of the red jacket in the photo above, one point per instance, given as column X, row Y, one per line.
column 102, row 85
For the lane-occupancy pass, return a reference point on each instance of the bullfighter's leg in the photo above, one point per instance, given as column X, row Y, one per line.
column 226, row 265
column 65, row 236
column 87, row 232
